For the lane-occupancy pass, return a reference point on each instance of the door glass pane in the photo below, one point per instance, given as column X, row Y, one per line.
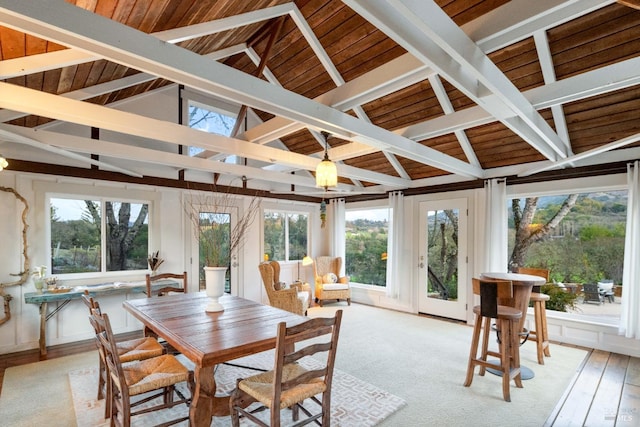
column 215, row 232
column 442, row 271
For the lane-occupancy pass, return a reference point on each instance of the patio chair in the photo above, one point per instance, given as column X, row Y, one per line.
column 290, row 383
column 591, row 294
column 605, row 288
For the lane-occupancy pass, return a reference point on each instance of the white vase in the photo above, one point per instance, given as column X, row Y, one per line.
column 214, row 279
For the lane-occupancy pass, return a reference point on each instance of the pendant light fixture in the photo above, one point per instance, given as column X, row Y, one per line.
column 326, row 171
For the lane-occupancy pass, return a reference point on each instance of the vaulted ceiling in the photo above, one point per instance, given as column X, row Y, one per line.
column 414, row 93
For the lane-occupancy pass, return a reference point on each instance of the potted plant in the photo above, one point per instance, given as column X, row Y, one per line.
column 217, row 237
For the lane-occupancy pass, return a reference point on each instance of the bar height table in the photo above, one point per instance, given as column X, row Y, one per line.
column 522, row 286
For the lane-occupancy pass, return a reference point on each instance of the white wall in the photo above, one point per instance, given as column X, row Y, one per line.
column 169, row 234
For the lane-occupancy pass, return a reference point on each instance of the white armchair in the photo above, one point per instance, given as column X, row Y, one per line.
column 329, row 285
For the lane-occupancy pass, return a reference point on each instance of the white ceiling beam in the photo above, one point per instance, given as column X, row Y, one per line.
column 132, row 48
column 15, row 134
column 89, row 92
column 44, row 104
column 56, row 142
column 42, row 62
column 445, row 103
column 549, row 76
column 592, row 83
column 426, row 31
column 118, row 84
column 190, row 32
column 584, row 155
column 63, row 58
column 518, row 19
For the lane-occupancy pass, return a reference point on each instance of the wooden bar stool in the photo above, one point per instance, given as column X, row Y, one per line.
column 540, row 335
column 507, row 317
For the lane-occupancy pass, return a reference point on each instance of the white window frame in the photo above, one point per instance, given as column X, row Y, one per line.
column 44, row 191
column 562, row 187
column 361, row 206
column 286, row 213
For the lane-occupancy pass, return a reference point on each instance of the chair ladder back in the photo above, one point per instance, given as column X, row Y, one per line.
column 112, row 357
column 541, row 272
column 150, row 279
column 285, row 354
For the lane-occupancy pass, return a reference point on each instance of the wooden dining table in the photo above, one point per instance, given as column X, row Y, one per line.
column 522, row 286
column 245, row 327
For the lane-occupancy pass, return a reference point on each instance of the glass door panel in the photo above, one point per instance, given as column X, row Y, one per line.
column 443, row 258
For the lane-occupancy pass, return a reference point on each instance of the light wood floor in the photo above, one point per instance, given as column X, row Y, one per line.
column 604, row 392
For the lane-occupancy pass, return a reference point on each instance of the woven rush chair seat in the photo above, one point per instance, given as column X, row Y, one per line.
column 150, row 374
column 129, row 350
column 260, row 387
column 158, row 374
column 139, row 349
column 289, row 383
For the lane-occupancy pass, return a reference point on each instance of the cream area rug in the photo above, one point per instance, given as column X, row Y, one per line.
column 353, row 402
column 422, row 361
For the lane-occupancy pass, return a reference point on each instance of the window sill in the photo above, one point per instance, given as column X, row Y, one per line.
column 371, row 288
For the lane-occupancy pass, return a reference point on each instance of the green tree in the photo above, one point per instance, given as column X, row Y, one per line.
column 121, row 233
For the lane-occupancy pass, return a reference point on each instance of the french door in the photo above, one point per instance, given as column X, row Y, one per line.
column 443, row 258
column 219, row 224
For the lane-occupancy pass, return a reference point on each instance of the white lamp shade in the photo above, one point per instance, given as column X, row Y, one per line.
column 326, row 174
column 3, row 163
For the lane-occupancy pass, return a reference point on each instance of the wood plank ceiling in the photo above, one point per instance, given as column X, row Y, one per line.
column 414, row 93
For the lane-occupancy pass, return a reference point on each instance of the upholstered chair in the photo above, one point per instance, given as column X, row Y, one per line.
column 329, row 285
column 295, row 299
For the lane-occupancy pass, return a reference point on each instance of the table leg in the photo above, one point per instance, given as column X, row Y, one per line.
column 43, row 329
column 205, row 404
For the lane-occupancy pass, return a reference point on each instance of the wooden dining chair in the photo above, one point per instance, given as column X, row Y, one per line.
column 290, row 383
column 157, row 377
column 507, row 358
column 149, row 279
column 540, row 333
column 129, row 350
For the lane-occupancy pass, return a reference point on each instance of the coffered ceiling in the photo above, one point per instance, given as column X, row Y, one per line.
column 414, row 93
